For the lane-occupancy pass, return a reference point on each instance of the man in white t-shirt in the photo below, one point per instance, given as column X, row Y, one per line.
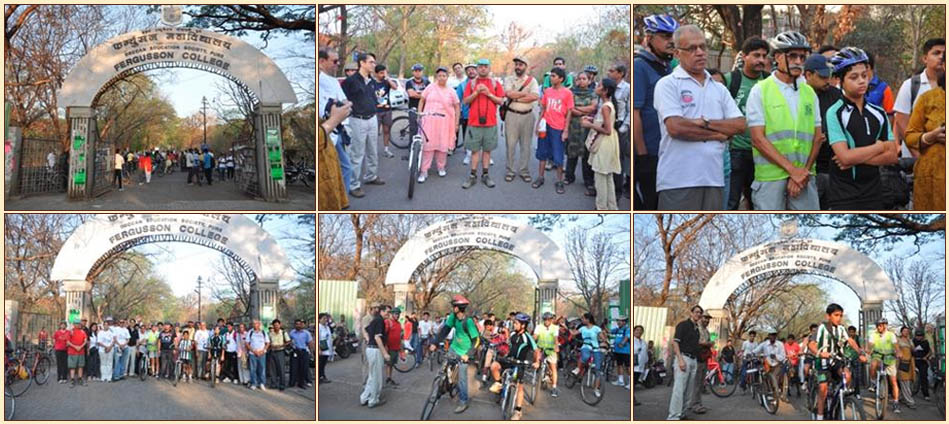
column 122, row 336
column 933, row 51
column 201, row 336
column 747, row 350
column 696, row 119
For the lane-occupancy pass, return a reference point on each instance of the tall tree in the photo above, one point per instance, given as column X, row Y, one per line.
column 264, row 18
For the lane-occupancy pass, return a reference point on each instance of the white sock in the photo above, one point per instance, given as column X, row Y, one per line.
column 820, row 417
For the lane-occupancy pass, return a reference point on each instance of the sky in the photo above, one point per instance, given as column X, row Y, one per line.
column 180, row 264
column 839, row 292
column 543, row 20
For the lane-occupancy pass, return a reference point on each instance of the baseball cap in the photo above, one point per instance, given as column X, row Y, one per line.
column 521, row 59
column 470, row 65
column 817, row 63
column 417, row 67
column 483, row 61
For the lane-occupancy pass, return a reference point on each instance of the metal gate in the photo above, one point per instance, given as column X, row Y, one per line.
column 102, row 162
column 42, row 167
column 245, row 168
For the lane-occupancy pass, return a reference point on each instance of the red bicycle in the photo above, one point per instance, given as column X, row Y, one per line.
column 720, row 382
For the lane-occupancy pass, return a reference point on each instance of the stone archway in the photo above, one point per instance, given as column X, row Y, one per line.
column 237, row 236
column 518, row 239
column 90, row 161
column 800, row 256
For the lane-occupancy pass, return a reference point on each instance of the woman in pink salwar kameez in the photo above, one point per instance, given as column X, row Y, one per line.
column 439, row 131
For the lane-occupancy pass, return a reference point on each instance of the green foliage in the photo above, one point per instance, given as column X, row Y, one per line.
column 266, row 19
column 866, row 232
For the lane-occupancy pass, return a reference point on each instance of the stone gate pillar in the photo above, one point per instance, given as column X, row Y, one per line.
column 270, row 155
column 869, row 314
column 547, row 293
column 268, row 297
column 404, row 293
column 718, row 326
column 81, row 151
column 78, row 304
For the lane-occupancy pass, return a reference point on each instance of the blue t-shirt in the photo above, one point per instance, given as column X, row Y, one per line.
column 645, row 77
column 460, row 90
column 590, row 337
column 620, row 333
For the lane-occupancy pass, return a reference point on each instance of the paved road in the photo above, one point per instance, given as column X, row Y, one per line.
column 339, row 400
column 446, row 193
column 152, row 399
column 171, row 193
column 655, row 406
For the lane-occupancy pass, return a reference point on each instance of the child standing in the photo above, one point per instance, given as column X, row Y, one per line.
column 555, row 111
column 603, row 144
column 185, row 348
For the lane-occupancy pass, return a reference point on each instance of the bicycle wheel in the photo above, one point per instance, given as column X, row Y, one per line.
column 853, row 410
column 770, row 395
column 879, row 398
column 721, row 387
column 399, row 132
column 432, row 360
column 213, row 372
column 406, row 362
column 432, row 399
column 174, row 381
column 588, row 388
column 16, row 383
column 568, row 377
column 9, row 405
column 41, row 373
column 143, row 367
column 530, row 393
column 507, row 403
column 414, row 156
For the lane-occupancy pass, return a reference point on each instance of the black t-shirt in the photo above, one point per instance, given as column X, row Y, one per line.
column 522, row 347
column 376, row 326
column 133, row 336
column 858, row 187
column 921, row 353
column 826, row 98
column 417, row 86
column 166, row 340
column 381, row 90
column 728, row 354
column 687, row 335
column 360, row 92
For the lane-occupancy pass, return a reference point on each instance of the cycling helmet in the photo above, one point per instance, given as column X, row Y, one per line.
column 459, row 300
column 396, row 311
column 789, row 40
column 590, row 69
column 547, row 315
column 522, row 317
column 848, row 56
column 881, row 321
column 660, row 23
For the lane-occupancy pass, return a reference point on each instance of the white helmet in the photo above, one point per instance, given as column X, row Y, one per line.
column 398, row 99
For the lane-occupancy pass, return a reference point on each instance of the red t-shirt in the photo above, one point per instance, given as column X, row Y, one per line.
column 792, row 351
column 147, row 163
column 408, row 330
column 482, row 105
column 557, row 102
column 76, row 337
column 393, row 334
column 59, row 339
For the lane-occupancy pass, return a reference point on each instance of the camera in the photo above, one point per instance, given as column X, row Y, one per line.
column 482, row 120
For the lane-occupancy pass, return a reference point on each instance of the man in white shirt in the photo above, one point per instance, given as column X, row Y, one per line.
column 696, row 119
column 933, row 51
column 257, row 344
column 458, row 76
column 122, row 336
column 774, row 355
column 745, row 353
column 330, row 89
column 106, row 341
column 640, row 355
column 201, row 337
column 618, row 73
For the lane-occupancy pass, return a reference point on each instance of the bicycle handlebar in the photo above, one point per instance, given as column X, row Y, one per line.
column 514, row 361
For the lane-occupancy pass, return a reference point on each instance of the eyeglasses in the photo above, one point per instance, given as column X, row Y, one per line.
column 796, row 56
column 692, row 49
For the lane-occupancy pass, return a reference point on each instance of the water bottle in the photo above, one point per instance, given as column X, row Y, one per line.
column 542, row 128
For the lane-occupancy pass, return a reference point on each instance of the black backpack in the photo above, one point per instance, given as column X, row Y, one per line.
column 735, row 84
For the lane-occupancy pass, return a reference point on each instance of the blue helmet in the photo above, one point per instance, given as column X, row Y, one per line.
column 660, row 23
column 848, row 56
column 522, row 317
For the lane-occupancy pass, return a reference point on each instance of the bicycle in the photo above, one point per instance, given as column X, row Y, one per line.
column 18, row 377
column 786, row 378
column 843, row 403
column 438, row 356
column 415, row 152
column 541, row 377
column 143, row 365
column 55, row 179
column 9, row 404
column 446, row 382
column 718, row 381
column 40, row 365
column 590, row 378
column 406, row 360
column 509, row 380
column 881, row 388
column 179, row 363
column 765, row 390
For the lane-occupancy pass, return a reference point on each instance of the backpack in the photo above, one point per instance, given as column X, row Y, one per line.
column 475, row 339
column 735, row 84
column 914, row 83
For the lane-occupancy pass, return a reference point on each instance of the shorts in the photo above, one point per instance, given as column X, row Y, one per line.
column 152, row 353
column 393, row 357
column 621, row 359
column 384, row 118
column 481, row 139
column 551, row 147
column 773, row 195
column 76, row 361
column 890, row 368
column 551, row 357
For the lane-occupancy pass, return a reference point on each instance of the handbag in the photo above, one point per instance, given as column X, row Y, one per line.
column 904, row 366
column 593, row 141
column 502, row 111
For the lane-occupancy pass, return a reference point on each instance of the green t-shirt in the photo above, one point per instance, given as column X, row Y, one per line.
column 568, row 83
column 743, row 141
column 461, row 344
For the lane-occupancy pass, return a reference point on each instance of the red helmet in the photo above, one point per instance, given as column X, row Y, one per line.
column 459, row 300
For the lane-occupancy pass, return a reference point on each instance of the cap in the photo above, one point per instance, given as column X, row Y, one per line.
column 441, row 69
column 396, row 311
column 520, row 59
column 484, row 61
column 622, row 318
column 817, row 63
column 417, row 67
column 470, row 65
column 350, row 65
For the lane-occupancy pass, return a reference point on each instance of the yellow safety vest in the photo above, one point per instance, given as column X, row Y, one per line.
column 792, row 138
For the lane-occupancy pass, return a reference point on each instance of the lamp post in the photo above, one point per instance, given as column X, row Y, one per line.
column 199, row 298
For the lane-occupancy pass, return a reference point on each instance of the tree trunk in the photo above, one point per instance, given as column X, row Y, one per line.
column 343, row 37
column 358, row 231
column 405, row 28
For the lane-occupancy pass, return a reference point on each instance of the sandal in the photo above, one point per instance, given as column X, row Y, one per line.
column 560, row 187
column 526, row 178
column 509, row 177
column 590, row 192
column 538, row 182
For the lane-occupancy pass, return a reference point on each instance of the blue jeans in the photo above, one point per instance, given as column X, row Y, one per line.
column 344, row 163
column 258, row 368
column 463, row 382
column 121, row 355
column 597, row 357
column 417, row 345
column 729, row 370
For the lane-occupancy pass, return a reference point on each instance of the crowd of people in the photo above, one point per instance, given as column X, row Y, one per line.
column 691, row 352
column 787, row 129
column 574, row 118
column 255, row 357
column 386, row 334
column 199, row 164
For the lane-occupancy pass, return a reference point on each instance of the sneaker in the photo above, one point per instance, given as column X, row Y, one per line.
column 486, row 179
column 441, row 173
column 357, row 193
column 596, row 392
column 467, row 158
column 618, row 382
column 388, row 154
column 554, row 392
column 576, row 371
column 461, row 408
column 422, row 177
column 226, row 380
column 516, row 416
column 262, row 388
column 376, row 181
column 472, row 180
column 495, row 388
column 872, row 389
column 379, row 403
column 926, row 397
column 72, row 383
column 82, row 382
column 627, row 386
column 491, row 162
column 253, row 387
